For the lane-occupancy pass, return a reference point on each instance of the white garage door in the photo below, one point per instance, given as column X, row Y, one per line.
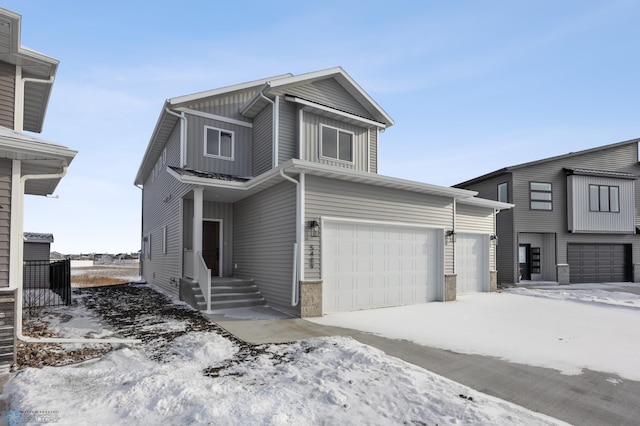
column 472, row 263
column 372, row 265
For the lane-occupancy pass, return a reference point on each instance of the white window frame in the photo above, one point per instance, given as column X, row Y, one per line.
column 338, row 130
column 219, row 130
column 164, row 239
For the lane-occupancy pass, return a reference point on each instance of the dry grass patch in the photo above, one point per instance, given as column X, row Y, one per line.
column 91, row 280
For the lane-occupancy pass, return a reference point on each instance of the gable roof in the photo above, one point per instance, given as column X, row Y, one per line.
column 37, row 237
column 168, row 118
column 546, row 160
column 38, row 70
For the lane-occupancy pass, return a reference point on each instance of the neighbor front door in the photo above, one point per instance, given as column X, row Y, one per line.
column 211, row 246
column 524, row 261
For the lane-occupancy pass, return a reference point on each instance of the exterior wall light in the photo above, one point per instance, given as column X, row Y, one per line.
column 314, row 228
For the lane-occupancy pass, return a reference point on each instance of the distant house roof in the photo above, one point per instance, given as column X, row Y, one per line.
column 35, row 237
column 545, row 160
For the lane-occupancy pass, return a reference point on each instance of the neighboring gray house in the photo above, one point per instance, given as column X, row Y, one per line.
column 37, row 246
column 275, row 181
column 575, row 218
column 28, row 165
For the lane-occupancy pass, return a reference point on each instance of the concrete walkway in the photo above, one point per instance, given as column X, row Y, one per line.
column 591, row 398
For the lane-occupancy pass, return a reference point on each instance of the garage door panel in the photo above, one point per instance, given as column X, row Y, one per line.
column 388, row 265
column 598, row 262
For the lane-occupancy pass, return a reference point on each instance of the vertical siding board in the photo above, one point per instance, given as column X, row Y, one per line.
column 476, row 219
column 5, row 219
column 239, row 166
column 264, row 233
column 312, row 124
column 7, row 94
column 373, row 149
column 287, row 132
column 262, row 146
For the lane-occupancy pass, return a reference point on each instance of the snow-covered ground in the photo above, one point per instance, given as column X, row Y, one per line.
column 207, row 377
column 564, row 328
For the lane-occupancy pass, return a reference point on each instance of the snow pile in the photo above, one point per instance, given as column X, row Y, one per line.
column 188, row 371
column 558, row 334
column 320, row 381
column 579, row 293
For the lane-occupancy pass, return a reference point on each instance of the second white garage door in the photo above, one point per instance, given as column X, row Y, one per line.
column 374, row 265
column 472, row 263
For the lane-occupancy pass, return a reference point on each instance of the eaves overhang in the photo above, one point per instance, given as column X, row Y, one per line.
column 601, row 173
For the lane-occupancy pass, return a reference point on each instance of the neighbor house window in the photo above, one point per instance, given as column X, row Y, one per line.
column 503, row 192
column 604, row 198
column 336, row 143
column 218, row 143
column 540, row 196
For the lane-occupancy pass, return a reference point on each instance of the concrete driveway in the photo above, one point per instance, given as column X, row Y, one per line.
column 590, row 398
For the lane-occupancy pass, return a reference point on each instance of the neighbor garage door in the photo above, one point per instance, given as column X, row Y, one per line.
column 597, row 263
column 472, row 263
column 372, row 265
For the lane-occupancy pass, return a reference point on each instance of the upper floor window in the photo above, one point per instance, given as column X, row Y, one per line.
column 604, row 198
column 503, row 192
column 540, row 196
column 336, row 143
column 218, row 143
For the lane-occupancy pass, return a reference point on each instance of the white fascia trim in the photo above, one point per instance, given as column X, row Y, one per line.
column 26, row 146
column 376, row 179
column 483, row 202
column 200, row 181
column 222, row 90
column 214, row 117
column 336, row 111
column 292, row 79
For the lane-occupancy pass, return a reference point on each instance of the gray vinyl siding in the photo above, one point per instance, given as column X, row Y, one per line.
column 336, row 198
column 287, row 132
column 373, row 150
column 582, row 219
column 477, row 220
column 5, row 220
column 547, row 244
column 226, row 105
column 329, row 93
column 215, row 211
column 196, row 159
column 161, row 206
column 36, row 251
column 262, row 147
column 311, row 140
column 7, row 94
column 264, row 234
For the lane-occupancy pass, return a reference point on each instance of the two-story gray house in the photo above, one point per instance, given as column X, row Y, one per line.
column 575, row 218
column 28, row 165
column 275, row 182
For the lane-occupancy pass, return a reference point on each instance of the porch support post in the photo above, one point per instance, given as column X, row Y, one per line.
column 197, row 229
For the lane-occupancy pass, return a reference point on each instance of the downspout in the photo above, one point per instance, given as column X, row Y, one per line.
column 19, row 227
column 275, row 106
column 183, row 135
column 453, row 235
column 297, row 246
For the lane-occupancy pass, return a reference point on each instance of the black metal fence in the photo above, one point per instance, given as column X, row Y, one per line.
column 46, row 283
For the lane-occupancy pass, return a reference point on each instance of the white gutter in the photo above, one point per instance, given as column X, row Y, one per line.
column 183, row 133
column 297, row 246
column 19, row 275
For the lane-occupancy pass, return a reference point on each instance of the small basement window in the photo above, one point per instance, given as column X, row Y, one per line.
column 336, row 143
column 218, row 143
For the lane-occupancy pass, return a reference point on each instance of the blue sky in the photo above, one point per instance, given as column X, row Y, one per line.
column 473, row 86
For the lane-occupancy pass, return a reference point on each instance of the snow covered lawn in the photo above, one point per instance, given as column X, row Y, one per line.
column 188, row 371
column 565, row 328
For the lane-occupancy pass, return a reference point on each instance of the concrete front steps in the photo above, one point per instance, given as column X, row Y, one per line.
column 226, row 293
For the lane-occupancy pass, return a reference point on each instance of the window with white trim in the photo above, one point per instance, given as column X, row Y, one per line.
column 218, row 143
column 336, row 144
column 540, row 196
column 604, row 198
column 503, row 192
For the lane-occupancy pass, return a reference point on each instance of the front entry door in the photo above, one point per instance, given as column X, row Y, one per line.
column 211, row 246
column 524, row 261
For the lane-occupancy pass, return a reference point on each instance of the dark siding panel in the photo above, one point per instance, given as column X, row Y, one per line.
column 262, row 147
column 7, row 94
column 287, row 135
